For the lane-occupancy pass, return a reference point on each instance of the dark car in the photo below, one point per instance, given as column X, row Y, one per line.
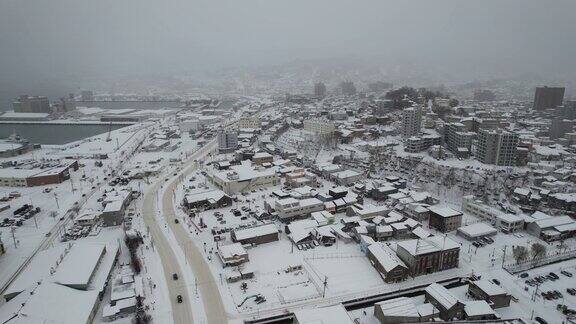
column 524, row 275
column 540, row 320
column 175, row 276
column 553, row 275
column 176, row 220
column 566, row 273
column 496, row 281
column 179, row 299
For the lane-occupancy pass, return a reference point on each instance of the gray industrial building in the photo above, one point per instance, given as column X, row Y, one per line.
column 31, row 104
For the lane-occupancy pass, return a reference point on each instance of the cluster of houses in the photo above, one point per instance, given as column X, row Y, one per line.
column 440, row 304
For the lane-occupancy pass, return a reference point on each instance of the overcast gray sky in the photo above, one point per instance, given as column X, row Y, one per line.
column 53, row 40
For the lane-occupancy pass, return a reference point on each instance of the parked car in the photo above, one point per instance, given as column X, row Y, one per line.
column 175, row 276
column 553, row 275
column 566, row 273
column 540, row 320
column 179, row 299
column 496, row 281
column 524, row 275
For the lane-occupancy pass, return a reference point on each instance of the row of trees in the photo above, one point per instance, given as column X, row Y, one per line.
column 133, row 243
column 405, row 96
column 522, row 254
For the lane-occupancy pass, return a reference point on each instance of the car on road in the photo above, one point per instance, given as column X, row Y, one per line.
column 175, row 276
column 179, row 299
column 496, row 281
column 176, row 220
column 540, row 320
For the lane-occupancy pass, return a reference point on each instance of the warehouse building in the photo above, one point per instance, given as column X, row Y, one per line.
column 255, row 235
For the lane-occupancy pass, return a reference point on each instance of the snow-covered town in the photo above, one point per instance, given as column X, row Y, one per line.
column 287, row 162
column 340, row 206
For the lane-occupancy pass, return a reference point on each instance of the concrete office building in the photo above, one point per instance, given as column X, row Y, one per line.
column 348, row 88
column 30, row 104
column 411, row 121
column 319, row 90
column 548, row 97
column 87, row 95
column 382, row 107
column 567, row 111
column 227, row 141
column 560, row 127
column 497, row 147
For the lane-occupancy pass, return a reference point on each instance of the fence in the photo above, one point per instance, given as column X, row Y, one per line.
column 513, row 268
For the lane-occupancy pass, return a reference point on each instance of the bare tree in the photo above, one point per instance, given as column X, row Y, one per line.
column 538, row 251
column 520, row 253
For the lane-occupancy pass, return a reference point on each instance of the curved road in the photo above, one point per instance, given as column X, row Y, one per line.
column 181, row 313
column 211, row 299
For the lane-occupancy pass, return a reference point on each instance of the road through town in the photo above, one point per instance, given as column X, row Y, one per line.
column 181, row 313
column 212, row 301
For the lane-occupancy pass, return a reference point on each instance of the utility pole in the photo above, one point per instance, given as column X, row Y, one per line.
column 56, row 198
column 13, row 231
column 325, row 285
column 504, row 256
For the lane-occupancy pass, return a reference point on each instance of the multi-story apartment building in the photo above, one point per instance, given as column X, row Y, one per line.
column 322, row 127
column 411, row 121
column 417, row 144
column 319, row 90
column 560, row 127
column 548, row 97
column 227, row 141
column 497, row 147
column 458, row 139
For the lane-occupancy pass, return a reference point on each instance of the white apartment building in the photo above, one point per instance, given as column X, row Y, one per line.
column 505, row 222
column 289, row 208
column 411, row 121
column 322, row 127
column 244, row 177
